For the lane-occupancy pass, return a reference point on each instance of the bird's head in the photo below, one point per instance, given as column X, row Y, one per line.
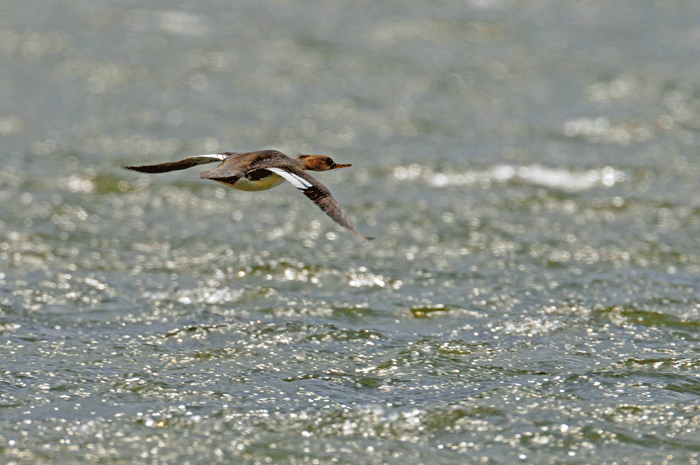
column 319, row 163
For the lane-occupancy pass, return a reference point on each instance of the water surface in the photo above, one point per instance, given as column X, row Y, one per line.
column 530, row 171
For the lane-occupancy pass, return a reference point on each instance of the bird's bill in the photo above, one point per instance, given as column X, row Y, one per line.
column 336, row 166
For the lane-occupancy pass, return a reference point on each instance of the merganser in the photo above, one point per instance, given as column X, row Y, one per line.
column 265, row 169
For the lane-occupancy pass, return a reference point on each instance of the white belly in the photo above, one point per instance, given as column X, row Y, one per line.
column 268, row 182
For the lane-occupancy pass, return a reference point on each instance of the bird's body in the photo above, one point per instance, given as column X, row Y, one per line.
column 262, row 170
column 260, row 180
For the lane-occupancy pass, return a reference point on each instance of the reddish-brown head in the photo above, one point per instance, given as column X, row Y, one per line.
column 319, row 163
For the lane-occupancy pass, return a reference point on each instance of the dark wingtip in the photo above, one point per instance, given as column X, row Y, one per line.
column 362, row 236
column 140, row 169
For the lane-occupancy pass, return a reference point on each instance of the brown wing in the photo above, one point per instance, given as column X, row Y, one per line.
column 239, row 165
column 318, row 193
column 180, row 165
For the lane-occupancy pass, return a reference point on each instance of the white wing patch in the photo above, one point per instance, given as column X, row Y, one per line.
column 296, row 180
column 210, row 157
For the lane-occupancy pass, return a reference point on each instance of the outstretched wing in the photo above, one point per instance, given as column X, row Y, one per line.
column 180, row 165
column 237, row 165
column 318, row 193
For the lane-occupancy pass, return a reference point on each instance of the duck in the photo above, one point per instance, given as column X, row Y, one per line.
column 265, row 169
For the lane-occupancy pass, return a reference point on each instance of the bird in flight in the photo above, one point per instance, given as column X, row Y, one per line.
column 265, row 169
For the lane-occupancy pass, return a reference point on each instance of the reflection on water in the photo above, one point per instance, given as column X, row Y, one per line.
column 560, row 179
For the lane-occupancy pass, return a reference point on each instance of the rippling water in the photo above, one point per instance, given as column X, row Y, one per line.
column 530, row 171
